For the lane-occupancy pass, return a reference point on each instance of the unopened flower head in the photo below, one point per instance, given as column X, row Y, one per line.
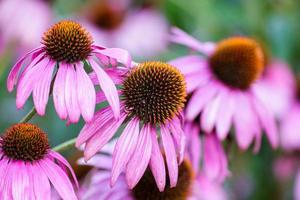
column 28, row 166
column 152, row 99
column 57, row 67
column 224, row 84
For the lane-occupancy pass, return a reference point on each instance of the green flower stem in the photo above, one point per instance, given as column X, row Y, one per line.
column 64, row 146
column 29, row 116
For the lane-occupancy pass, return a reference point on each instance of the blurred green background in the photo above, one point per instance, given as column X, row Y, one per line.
column 273, row 22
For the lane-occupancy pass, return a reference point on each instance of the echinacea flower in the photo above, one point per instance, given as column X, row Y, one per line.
column 152, row 98
column 114, row 23
column 191, row 184
column 66, row 48
column 223, row 82
column 28, row 166
column 206, row 149
column 19, row 26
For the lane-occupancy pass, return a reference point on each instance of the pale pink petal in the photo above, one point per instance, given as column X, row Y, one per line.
column 120, row 55
column 171, row 157
column 190, row 64
column 157, row 163
column 71, row 94
column 41, row 90
column 180, row 37
column 85, row 93
column 101, row 161
column 199, row 99
column 297, row 186
column 58, row 178
column 225, row 114
column 13, row 74
column 102, row 136
column 193, row 145
column 197, row 80
column 108, row 87
column 124, row 149
column 20, row 182
column 175, row 128
column 59, row 92
column 41, row 184
column 28, row 80
column 139, row 161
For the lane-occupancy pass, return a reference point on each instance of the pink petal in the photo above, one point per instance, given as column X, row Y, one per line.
column 171, row 158
column 157, row 163
column 189, row 64
column 59, row 92
column 139, row 161
column 13, row 74
column 180, row 37
column 193, row 145
column 297, row 186
column 96, row 142
column 58, row 178
column 124, row 149
column 108, row 87
column 225, row 114
column 41, row 184
column 71, row 94
column 20, row 182
column 199, row 99
column 197, row 80
column 101, row 161
column 120, row 55
column 179, row 137
column 85, row 93
column 41, row 90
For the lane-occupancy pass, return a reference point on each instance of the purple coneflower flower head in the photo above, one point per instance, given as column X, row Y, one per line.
column 224, row 85
column 113, row 23
column 191, row 185
column 66, row 48
column 23, row 29
column 152, row 98
column 208, row 150
column 28, row 166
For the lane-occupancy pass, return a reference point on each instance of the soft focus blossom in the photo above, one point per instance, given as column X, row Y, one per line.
column 224, row 86
column 143, row 32
column 192, row 185
column 57, row 67
column 17, row 25
column 152, row 99
column 29, row 168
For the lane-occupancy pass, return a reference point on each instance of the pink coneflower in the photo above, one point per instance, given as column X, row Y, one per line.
column 191, row 184
column 114, row 23
column 207, row 150
column 223, row 82
column 28, row 166
column 153, row 96
column 24, row 28
column 278, row 87
column 67, row 47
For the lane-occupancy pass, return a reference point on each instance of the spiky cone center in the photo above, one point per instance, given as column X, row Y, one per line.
column 147, row 189
column 67, row 41
column 25, row 142
column 104, row 15
column 237, row 62
column 154, row 92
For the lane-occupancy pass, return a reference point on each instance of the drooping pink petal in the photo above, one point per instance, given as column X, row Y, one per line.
column 41, row 90
column 59, row 92
column 71, row 94
column 20, row 182
column 157, row 163
column 139, row 161
column 171, row 157
column 58, row 178
column 85, row 93
column 177, row 132
column 225, row 114
column 41, row 184
column 193, row 145
column 124, row 149
column 108, row 87
column 120, row 55
column 102, row 136
column 6, row 181
column 65, row 163
column 28, row 80
column 13, row 74
column 180, row 37
column 199, row 99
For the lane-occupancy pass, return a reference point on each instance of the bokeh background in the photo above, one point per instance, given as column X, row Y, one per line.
column 275, row 23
